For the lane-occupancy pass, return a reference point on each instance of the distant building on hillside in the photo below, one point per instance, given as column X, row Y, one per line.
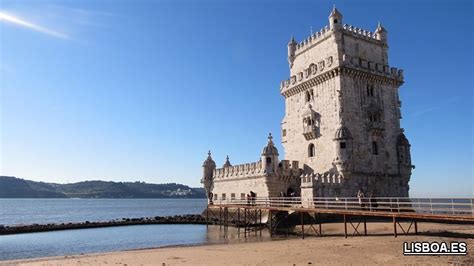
column 341, row 130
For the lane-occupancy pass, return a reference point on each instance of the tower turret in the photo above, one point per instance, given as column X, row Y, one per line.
column 207, row 180
column 343, row 141
column 335, row 19
column 381, row 33
column 403, row 154
column 227, row 162
column 270, row 156
column 291, row 51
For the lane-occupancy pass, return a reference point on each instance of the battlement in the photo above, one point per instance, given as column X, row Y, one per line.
column 314, row 38
column 325, row 32
column 240, row 170
column 254, row 169
column 361, row 33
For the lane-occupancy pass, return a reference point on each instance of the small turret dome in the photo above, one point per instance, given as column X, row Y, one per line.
column 270, row 149
column 227, row 162
column 380, row 28
column 335, row 13
column 292, row 41
column 342, row 133
column 209, row 161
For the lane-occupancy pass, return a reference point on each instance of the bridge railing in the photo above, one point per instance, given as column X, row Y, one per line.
column 451, row 206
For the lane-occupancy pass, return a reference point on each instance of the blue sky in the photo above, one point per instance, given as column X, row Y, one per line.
column 140, row 90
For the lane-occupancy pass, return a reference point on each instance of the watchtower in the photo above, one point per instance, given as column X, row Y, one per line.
column 342, row 113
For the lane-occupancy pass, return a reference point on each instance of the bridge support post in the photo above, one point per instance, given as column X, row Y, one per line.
column 302, row 223
column 394, row 226
column 319, row 223
column 245, row 222
column 226, row 219
column 207, row 216
column 345, row 227
column 365, row 226
column 270, row 222
column 220, row 217
column 238, row 221
column 256, row 220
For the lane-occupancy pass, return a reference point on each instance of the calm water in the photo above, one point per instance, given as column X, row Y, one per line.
column 80, row 241
column 70, row 242
column 28, row 211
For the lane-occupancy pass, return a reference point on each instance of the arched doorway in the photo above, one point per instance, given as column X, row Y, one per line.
column 290, row 192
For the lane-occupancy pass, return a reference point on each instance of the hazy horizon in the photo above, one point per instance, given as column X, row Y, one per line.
column 140, row 91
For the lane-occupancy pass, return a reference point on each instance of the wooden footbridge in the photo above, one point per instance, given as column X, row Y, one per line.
column 256, row 213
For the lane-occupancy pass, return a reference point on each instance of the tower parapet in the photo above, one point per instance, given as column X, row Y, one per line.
column 314, row 75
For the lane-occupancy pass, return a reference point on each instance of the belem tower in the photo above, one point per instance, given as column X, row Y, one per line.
column 341, row 129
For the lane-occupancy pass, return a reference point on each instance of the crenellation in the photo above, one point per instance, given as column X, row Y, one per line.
column 365, row 34
column 312, row 39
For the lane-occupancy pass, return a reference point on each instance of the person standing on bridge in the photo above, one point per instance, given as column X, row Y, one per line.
column 252, row 197
column 360, row 196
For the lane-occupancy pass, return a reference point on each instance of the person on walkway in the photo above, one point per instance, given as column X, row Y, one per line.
column 360, row 196
column 252, row 197
column 211, row 196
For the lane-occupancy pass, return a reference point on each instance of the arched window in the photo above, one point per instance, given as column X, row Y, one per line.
column 375, row 148
column 370, row 90
column 311, row 150
column 375, row 116
column 269, row 160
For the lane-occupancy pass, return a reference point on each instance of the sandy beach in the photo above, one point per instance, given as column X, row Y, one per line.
column 380, row 247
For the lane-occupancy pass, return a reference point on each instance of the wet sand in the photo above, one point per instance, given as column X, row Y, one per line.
column 380, row 247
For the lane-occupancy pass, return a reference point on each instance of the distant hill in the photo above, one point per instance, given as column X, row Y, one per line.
column 12, row 187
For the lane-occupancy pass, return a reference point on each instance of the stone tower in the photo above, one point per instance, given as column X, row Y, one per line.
column 342, row 113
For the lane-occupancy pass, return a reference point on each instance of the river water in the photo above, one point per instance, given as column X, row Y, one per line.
column 82, row 241
column 42, row 211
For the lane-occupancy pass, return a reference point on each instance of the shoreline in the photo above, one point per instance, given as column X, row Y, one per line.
column 333, row 248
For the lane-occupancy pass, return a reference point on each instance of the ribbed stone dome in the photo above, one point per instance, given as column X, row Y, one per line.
column 227, row 163
column 342, row 133
column 270, row 149
column 209, row 161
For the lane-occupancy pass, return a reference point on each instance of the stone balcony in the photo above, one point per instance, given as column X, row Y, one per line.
column 376, row 127
column 310, row 132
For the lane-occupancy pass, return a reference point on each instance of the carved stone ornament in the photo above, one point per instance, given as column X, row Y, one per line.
column 321, row 65
column 293, row 79
column 313, row 69
column 300, row 76
column 329, row 61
